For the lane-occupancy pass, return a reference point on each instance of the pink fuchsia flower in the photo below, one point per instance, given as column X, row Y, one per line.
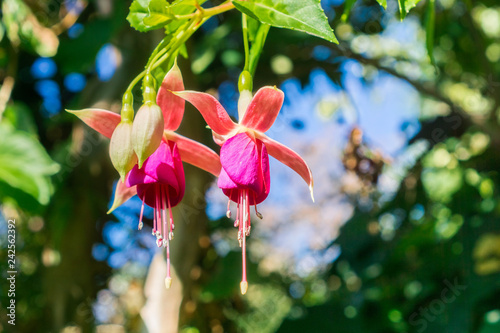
column 244, row 176
column 160, row 182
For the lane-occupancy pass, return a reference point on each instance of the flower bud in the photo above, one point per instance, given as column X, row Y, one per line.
column 245, row 87
column 147, row 131
column 120, row 149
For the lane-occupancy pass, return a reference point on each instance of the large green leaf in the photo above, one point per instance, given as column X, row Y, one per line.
column 304, row 15
column 25, row 165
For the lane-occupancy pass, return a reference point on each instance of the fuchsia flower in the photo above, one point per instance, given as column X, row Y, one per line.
column 244, row 176
column 160, row 182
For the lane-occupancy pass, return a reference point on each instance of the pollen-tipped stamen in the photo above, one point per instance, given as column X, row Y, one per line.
column 171, row 217
column 228, row 211
column 139, row 227
column 159, row 239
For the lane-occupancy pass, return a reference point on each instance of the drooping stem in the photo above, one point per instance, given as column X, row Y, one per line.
column 164, row 52
column 244, row 26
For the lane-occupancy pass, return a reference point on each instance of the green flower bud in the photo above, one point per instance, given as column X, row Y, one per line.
column 147, row 131
column 245, row 81
column 120, row 149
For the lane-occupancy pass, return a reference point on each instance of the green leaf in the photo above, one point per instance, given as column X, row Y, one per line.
column 146, row 15
column 139, row 10
column 25, row 165
column 159, row 14
column 383, row 3
column 305, row 15
column 405, row 6
column 429, row 29
column 20, row 117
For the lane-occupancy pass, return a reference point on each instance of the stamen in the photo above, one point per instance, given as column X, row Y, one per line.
column 164, row 215
column 155, row 216
column 171, row 216
column 237, row 221
column 139, row 227
column 167, row 208
column 247, row 215
column 259, row 215
column 228, row 212
column 153, row 231
column 158, row 211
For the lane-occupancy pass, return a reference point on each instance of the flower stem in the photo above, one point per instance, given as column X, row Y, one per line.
column 244, row 26
column 197, row 19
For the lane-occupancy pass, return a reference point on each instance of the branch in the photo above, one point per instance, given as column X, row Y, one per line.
column 437, row 130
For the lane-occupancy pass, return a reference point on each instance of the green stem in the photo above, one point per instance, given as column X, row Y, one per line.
column 156, row 50
column 228, row 5
column 197, row 19
column 258, row 46
column 245, row 40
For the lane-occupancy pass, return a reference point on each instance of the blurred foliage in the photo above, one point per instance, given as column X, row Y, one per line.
column 425, row 258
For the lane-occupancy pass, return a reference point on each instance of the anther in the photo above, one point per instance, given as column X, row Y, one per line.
column 236, row 223
column 168, row 282
column 170, row 235
column 228, row 214
column 140, row 226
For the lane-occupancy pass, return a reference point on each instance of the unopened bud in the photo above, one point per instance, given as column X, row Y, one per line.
column 245, row 86
column 121, row 151
column 147, row 131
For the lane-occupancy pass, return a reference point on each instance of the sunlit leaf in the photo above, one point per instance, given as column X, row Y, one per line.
column 383, row 3
column 146, row 15
column 405, row 6
column 25, row 165
column 305, row 15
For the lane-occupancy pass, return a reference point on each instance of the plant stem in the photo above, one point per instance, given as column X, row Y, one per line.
column 199, row 17
column 245, row 40
column 228, row 5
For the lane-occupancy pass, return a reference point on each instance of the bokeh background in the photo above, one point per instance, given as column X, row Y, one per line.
column 404, row 235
